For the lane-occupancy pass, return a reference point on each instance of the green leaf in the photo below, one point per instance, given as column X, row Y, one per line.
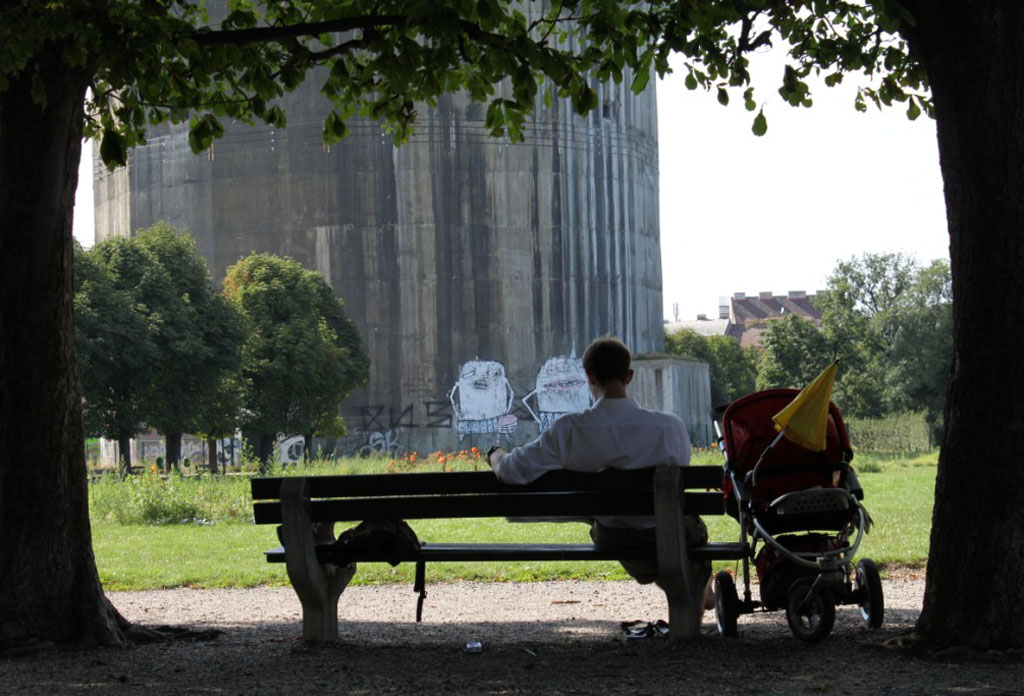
column 748, row 99
column 913, row 110
column 335, row 128
column 113, row 148
column 691, row 82
column 760, row 126
column 723, row 96
column 640, row 81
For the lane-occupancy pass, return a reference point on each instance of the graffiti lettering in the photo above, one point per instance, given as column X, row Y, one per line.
column 439, row 414
column 371, row 418
column 381, row 443
column 402, row 420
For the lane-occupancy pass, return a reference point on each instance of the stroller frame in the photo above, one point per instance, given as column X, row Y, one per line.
column 824, row 494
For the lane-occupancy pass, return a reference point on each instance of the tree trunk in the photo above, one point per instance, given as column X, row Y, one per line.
column 124, row 455
column 264, row 448
column 172, row 450
column 49, row 586
column 211, row 454
column 307, row 448
column 975, row 60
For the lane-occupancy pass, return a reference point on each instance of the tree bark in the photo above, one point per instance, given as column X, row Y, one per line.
column 124, row 455
column 975, row 580
column 172, row 450
column 307, row 448
column 264, row 448
column 49, row 587
column 211, row 454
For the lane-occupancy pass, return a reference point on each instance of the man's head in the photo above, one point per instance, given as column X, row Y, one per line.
column 606, row 362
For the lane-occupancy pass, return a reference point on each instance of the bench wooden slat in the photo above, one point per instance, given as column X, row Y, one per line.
column 491, row 505
column 466, row 482
column 456, row 552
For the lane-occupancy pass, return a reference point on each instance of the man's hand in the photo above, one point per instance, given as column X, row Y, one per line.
column 494, row 455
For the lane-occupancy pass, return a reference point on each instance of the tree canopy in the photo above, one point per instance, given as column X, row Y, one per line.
column 116, row 340
column 199, row 336
column 889, row 321
column 302, row 355
column 153, row 337
column 732, row 369
column 893, row 319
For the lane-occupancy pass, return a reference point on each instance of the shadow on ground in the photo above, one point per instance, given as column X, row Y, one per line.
column 537, row 657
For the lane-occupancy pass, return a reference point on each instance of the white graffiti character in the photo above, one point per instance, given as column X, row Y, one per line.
column 482, row 399
column 561, row 388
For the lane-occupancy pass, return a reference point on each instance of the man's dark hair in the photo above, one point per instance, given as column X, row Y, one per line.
column 607, row 358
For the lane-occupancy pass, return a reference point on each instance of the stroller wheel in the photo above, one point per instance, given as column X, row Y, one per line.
column 727, row 604
column 811, row 615
column 869, row 593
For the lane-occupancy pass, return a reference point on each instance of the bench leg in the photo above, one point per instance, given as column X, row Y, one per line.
column 318, row 586
column 682, row 580
column 320, row 608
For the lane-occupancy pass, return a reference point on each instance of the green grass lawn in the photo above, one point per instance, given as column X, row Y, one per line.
column 229, row 554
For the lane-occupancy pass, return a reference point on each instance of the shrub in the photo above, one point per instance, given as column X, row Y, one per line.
column 907, row 433
column 152, row 499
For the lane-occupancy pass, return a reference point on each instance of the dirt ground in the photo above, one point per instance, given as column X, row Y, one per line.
column 537, row 638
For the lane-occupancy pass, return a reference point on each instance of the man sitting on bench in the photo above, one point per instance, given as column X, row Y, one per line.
column 614, row 433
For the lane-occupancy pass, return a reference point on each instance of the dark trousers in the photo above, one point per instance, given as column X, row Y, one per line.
column 645, row 571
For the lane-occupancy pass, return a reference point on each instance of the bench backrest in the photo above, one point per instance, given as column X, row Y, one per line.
column 354, row 498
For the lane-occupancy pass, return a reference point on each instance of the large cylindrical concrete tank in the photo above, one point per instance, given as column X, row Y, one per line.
column 468, row 262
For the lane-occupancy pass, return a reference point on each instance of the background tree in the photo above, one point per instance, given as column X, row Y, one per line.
column 923, row 348
column 218, row 411
column 116, row 340
column 198, row 336
column 794, row 352
column 891, row 321
column 302, row 355
column 148, row 62
column 732, row 369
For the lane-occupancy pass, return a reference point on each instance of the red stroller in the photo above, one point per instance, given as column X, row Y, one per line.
column 800, row 514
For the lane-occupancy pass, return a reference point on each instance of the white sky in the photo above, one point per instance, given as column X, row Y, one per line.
column 746, row 214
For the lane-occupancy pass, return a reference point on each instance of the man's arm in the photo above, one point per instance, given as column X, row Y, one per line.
column 528, row 462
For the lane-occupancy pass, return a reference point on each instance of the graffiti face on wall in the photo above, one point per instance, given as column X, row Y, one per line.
column 482, row 399
column 290, row 449
column 561, row 388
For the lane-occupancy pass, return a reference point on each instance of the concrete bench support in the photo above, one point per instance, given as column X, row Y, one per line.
column 319, row 586
column 681, row 579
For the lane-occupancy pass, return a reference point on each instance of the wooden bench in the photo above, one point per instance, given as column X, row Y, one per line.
column 665, row 492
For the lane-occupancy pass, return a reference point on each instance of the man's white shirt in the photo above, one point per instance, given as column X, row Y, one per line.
column 611, row 434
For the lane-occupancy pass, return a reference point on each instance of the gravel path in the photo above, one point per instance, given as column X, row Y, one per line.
column 538, row 638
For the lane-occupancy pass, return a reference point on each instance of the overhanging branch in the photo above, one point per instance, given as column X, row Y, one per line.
column 291, row 31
